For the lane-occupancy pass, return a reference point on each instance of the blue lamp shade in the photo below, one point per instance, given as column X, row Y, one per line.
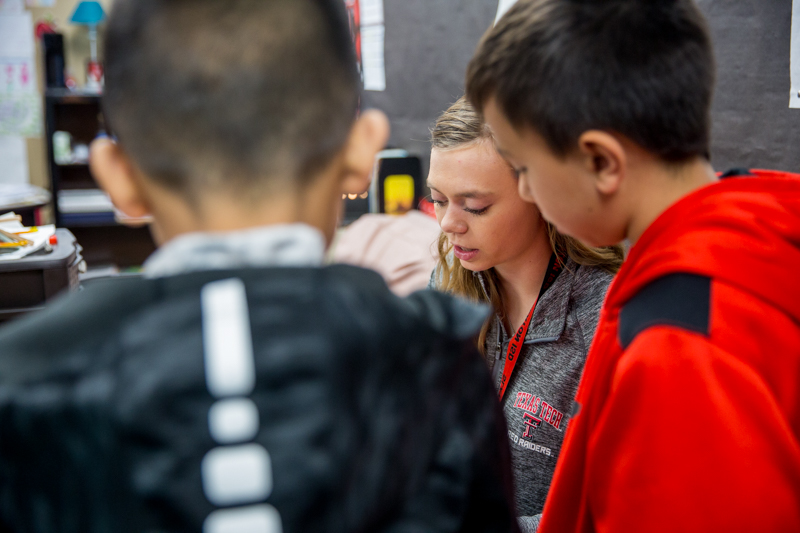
column 89, row 13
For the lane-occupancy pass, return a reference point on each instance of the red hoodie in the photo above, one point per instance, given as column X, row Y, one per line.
column 689, row 407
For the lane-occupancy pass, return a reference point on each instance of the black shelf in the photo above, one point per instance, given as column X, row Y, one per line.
column 79, row 115
column 104, row 240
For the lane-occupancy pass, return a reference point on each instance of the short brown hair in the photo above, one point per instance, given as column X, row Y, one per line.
column 243, row 95
column 641, row 68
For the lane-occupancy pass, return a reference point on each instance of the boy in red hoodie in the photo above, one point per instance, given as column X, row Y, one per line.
column 689, row 409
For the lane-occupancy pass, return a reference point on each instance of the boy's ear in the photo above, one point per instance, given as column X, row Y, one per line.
column 367, row 137
column 117, row 176
column 605, row 158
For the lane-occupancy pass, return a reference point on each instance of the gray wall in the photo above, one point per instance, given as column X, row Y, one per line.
column 430, row 42
column 752, row 123
column 428, row 46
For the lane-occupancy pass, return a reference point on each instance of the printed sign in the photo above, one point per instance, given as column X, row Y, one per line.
column 20, row 105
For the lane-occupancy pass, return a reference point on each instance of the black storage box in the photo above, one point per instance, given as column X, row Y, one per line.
column 27, row 283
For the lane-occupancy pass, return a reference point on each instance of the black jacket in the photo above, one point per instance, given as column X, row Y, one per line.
column 377, row 412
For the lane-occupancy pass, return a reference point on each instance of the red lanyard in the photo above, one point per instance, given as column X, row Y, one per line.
column 515, row 345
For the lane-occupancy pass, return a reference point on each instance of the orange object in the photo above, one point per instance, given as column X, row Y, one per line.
column 53, row 239
column 31, row 230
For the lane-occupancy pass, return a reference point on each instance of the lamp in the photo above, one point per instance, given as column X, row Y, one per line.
column 90, row 13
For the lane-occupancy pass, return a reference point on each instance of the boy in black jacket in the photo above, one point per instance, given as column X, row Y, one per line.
column 240, row 386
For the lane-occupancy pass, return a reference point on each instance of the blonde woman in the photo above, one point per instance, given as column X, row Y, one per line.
column 546, row 290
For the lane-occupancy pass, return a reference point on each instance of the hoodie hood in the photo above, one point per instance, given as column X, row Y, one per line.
column 742, row 231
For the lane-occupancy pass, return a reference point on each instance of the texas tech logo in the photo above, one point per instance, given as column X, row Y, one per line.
column 536, row 412
column 531, row 422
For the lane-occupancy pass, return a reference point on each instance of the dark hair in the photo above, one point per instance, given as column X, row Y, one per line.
column 248, row 94
column 641, row 68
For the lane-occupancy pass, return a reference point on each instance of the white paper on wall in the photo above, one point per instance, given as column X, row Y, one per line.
column 371, row 12
column 373, row 33
column 12, row 6
column 20, row 104
column 13, row 160
column 17, row 32
column 794, row 100
column 20, row 114
column 372, row 58
column 502, row 7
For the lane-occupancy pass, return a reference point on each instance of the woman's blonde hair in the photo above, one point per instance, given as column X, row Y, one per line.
column 459, row 127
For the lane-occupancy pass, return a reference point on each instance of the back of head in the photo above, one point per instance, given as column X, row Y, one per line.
column 641, row 68
column 248, row 95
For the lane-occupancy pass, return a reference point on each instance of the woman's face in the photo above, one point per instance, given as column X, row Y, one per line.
column 479, row 209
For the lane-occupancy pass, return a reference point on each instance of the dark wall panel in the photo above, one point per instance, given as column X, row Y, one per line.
column 428, row 46
column 752, row 123
column 430, row 42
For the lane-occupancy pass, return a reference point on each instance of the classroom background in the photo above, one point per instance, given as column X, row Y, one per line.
column 413, row 55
